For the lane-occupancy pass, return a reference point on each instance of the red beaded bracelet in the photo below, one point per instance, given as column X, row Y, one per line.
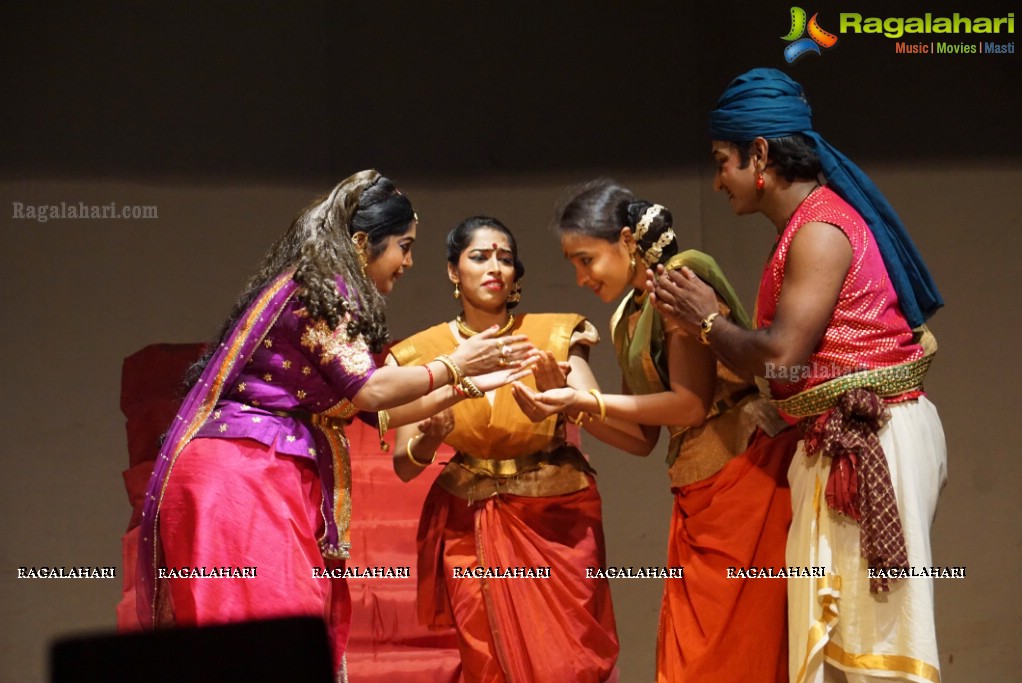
column 430, row 390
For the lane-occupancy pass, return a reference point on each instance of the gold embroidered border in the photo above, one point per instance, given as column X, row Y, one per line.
column 828, row 589
column 343, row 409
column 491, row 616
column 903, row 664
column 342, row 491
column 208, row 403
column 888, row 381
column 352, row 353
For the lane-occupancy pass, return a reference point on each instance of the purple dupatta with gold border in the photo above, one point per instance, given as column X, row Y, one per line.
column 220, row 373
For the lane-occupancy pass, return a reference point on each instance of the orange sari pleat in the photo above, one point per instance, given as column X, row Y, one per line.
column 715, row 628
column 522, row 630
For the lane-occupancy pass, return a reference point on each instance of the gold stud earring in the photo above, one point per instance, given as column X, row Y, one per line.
column 516, row 293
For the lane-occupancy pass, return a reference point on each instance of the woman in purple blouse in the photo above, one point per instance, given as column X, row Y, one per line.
column 248, row 507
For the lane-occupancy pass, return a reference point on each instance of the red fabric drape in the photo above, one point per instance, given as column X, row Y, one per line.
column 559, row 628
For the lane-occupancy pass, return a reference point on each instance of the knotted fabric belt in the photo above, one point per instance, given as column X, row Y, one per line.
column 859, row 484
column 842, row 419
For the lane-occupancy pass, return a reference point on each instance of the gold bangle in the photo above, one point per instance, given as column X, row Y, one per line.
column 599, row 401
column 470, row 388
column 408, row 452
column 452, row 368
column 705, row 326
column 580, row 418
column 383, row 422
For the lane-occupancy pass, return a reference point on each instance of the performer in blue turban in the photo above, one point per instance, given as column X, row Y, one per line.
column 840, row 342
column 766, row 103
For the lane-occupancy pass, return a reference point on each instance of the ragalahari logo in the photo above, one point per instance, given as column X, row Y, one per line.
column 817, row 36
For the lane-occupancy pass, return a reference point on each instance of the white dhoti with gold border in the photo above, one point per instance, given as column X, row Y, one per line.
column 836, row 620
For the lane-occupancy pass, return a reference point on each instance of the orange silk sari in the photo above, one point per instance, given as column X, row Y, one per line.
column 556, row 625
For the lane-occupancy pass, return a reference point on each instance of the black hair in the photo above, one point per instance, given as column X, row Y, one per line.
column 318, row 246
column 459, row 238
column 382, row 212
column 792, row 156
column 600, row 208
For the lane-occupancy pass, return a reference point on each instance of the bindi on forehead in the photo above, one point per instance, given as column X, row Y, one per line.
column 490, row 247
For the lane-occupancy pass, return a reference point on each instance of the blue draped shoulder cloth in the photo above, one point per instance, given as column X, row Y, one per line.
column 767, row 103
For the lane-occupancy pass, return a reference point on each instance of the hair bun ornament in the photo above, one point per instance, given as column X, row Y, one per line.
column 651, row 255
column 642, row 227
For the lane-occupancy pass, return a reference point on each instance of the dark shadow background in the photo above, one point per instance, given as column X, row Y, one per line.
column 268, row 90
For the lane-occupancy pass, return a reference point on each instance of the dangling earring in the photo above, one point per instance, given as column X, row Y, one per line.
column 457, row 291
column 359, row 240
column 632, row 267
column 760, row 183
column 516, row 293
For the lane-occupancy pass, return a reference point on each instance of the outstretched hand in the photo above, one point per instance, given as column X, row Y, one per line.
column 485, row 352
column 538, row 406
column 498, row 378
column 550, row 373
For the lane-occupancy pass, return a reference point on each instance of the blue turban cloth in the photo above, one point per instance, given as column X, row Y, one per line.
column 767, row 103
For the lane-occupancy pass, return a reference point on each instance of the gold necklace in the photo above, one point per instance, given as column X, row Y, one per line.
column 467, row 331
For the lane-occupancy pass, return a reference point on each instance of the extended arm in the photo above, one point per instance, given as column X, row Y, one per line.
column 446, row 396
column 692, row 371
column 392, row 386
column 627, row 436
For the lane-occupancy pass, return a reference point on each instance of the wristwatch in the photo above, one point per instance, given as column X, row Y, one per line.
column 705, row 326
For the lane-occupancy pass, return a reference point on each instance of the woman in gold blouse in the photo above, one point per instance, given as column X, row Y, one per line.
column 514, row 519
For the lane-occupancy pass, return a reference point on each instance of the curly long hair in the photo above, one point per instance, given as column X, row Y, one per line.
column 319, row 247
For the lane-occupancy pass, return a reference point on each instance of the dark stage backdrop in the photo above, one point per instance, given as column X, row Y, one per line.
column 287, row 91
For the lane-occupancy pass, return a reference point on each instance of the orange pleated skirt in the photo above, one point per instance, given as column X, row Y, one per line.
column 719, row 629
column 520, row 630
